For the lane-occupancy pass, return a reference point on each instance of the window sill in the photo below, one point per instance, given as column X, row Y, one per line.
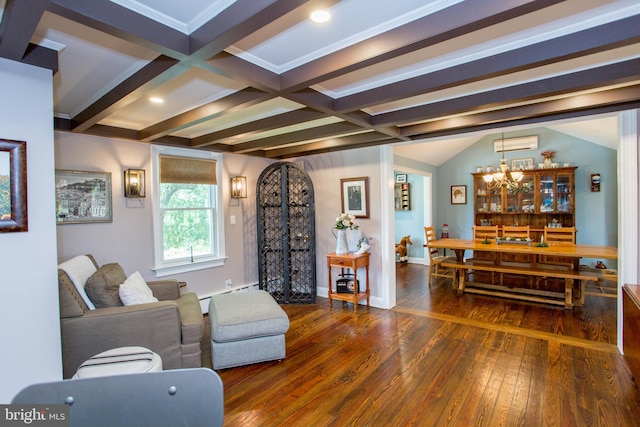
column 185, row 267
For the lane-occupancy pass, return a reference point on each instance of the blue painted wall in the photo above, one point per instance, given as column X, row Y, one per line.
column 411, row 222
column 596, row 213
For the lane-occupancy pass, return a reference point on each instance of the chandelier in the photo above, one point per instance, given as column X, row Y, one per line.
column 503, row 178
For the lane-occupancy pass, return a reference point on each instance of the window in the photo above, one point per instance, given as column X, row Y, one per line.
column 187, row 210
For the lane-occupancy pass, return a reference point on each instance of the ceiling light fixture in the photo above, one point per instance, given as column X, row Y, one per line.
column 503, row 177
column 320, row 16
column 156, row 100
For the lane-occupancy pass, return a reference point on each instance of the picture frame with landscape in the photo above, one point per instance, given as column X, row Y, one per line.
column 13, row 186
column 83, row 197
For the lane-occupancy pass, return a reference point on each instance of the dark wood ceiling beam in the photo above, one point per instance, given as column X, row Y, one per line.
column 110, row 18
column 608, row 75
column 229, row 104
column 619, row 98
column 321, row 102
column 448, row 23
column 41, row 57
column 317, row 132
column 608, row 36
column 243, row 71
column 332, row 144
column 175, row 141
column 262, row 125
column 157, row 72
column 19, row 21
column 236, row 22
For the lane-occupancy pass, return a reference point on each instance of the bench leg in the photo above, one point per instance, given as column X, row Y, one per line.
column 568, row 293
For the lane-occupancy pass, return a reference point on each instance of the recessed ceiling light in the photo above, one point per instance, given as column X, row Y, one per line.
column 156, row 100
column 320, row 16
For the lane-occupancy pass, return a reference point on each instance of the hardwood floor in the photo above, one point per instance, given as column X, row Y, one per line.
column 439, row 359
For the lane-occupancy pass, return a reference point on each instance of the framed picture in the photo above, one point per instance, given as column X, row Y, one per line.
column 521, row 164
column 83, row 197
column 13, row 186
column 401, row 178
column 458, row 194
column 355, row 196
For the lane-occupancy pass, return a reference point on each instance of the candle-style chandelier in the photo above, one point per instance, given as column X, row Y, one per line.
column 503, row 178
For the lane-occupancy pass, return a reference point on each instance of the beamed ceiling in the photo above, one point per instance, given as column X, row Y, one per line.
column 257, row 77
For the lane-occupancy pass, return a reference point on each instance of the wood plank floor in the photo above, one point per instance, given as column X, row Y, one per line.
column 439, row 359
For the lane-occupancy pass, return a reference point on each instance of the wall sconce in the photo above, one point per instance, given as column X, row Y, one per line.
column 239, row 187
column 134, row 183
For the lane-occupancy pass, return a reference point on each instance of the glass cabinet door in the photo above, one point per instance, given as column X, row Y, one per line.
column 527, row 194
column 547, row 192
column 563, row 192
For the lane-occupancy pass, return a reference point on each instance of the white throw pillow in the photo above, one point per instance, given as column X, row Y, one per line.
column 135, row 290
column 79, row 269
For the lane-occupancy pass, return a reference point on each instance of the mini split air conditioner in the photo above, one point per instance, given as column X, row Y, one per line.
column 516, row 144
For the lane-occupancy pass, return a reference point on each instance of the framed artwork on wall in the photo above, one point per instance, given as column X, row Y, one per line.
column 13, row 186
column 458, row 194
column 355, row 196
column 83, row 197
column 401, row 178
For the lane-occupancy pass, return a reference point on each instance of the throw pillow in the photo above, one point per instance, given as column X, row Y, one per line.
column 79, row 269
column 102, row 286
column 135, row 290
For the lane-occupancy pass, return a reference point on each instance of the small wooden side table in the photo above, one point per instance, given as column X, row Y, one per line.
column 352, row 262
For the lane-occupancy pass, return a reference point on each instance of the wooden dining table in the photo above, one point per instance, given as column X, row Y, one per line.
column 568, row 250
column 533, row 253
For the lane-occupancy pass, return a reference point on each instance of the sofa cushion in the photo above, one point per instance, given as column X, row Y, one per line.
column 79, row 269
column 102, row 286
column 135, row 290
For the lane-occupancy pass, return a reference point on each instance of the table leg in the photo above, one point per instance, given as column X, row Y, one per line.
column 330, row 305
column 355, row 290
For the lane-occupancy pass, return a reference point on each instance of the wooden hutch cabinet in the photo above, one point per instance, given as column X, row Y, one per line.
column 544, row 195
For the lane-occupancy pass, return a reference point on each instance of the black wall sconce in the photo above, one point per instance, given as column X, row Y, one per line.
column 134, row 183
column 239, row 187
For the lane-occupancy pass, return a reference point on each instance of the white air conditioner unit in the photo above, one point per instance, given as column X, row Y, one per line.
column 516, row 144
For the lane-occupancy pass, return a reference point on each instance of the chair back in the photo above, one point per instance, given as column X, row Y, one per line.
column 516, row 232
column 560, row 235
column 430, row 236
column 485, row 232
column 176, row 397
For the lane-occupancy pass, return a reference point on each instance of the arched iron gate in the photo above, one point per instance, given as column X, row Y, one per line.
column 286, row 233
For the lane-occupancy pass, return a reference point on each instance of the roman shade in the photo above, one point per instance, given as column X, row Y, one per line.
column 184, row 170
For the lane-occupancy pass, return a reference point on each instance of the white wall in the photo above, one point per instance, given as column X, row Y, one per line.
column 29, row 311
column 325, row 171
column 128, row 240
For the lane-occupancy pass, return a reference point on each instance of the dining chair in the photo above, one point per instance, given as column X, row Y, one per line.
column 485, row 232
column 516, row 232
column 436, row 269
column 560, row 235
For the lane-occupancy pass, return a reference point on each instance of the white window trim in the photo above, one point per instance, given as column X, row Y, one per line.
column 168, row 268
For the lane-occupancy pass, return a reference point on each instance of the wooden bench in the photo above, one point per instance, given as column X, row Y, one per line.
column 534, row 295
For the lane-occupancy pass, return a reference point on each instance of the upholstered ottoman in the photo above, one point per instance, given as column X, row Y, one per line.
column 246, row 327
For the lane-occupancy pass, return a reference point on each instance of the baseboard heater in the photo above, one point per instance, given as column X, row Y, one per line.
column 204, row 301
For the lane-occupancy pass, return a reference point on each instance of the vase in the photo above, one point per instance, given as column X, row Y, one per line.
column 342, row 247
column 547, row 162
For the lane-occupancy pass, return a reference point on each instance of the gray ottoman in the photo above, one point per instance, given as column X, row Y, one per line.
column 246, row 327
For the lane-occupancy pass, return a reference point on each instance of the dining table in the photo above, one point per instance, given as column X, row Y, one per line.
column 532, row 271
column 567, row 250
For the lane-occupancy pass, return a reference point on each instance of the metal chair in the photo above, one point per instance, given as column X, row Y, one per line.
column 436, row 269
column 179, row 397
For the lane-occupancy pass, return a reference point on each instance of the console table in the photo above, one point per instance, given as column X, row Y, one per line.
column 352, row 262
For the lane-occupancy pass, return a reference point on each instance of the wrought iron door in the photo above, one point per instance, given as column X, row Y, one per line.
column 286, row 234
